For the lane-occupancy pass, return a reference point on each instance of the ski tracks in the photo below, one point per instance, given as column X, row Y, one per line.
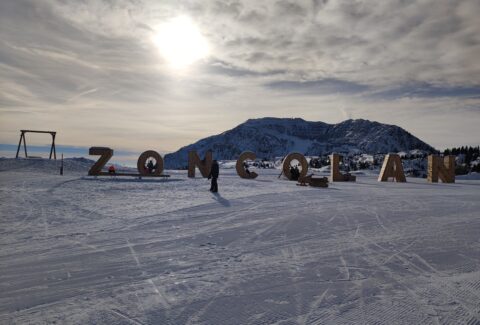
column 125, row 316
column 161, row 297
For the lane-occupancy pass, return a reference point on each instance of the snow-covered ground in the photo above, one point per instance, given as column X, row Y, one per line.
column 80, row 250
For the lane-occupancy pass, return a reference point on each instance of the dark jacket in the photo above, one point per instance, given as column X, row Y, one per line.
column 214, row 170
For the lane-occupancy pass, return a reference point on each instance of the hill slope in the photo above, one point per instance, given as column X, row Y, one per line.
column 270, row 137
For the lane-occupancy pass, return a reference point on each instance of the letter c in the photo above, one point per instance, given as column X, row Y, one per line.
column 240, row 169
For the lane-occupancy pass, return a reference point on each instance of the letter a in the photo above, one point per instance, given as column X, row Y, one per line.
column 392, row 167
column 441, row 168
column 203, row 165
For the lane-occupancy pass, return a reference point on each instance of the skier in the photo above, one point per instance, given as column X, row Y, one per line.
column 111, row 170
column 214, row 171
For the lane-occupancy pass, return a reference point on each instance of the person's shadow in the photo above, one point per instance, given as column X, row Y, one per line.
column 223, row 201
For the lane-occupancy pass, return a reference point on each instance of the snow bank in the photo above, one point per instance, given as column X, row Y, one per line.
column 471, row 176
column 51, row 166
column 42, row 165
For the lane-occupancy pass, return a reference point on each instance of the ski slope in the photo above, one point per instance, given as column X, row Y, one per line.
column 81, row 250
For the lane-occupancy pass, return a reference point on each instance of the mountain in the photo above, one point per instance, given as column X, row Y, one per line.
column 273, row 137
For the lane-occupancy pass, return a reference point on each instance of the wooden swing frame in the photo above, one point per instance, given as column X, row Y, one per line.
column 22, row 137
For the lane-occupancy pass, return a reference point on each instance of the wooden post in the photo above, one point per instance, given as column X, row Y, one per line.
column 53, row 147
column 392, row 167
column 19, row 144
column 24, row 144
column 61, row 166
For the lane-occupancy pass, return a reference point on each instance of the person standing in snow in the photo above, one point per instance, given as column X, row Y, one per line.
column 150, row 166
column 214, row 171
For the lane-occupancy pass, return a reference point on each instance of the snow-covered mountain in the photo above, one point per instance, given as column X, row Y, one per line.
column 272, row 137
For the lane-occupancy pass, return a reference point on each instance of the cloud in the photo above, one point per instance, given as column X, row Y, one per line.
column 375, row 43
column 425, row 90
column 74, row 65
column 360, row 41
column 325, row 86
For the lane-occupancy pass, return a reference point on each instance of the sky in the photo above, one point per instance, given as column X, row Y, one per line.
column 143, row 74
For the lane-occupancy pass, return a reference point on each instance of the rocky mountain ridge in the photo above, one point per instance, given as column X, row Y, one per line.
column 273, row 137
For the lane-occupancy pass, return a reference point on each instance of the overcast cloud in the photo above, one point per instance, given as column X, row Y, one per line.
column 90, row 70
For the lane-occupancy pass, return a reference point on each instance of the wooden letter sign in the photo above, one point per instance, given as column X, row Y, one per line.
column 300, row 158
column 240, row 167
column 335, row 174
column 105, row 153
column 441, row 168
column 392, row 167
column 142, row 162
column 203, row 165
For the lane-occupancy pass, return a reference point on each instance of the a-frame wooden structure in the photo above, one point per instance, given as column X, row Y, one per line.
column 22, row 137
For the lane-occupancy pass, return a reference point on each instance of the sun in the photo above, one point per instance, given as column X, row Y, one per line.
column 180, row 42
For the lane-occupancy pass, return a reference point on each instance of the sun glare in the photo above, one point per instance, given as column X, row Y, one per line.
column 180, row 42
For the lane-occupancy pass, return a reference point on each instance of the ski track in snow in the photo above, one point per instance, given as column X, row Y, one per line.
column 81, row 250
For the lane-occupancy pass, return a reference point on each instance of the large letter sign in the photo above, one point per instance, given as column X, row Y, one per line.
column 240, row 168
column 300, row 158
column 203, row 165
column 142, row 162
column 441, row 168
column 335, row 174
column 392, row 167
column 105, row 155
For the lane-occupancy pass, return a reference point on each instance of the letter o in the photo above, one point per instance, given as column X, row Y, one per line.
column 239, row 166
column 295, row 156
column 142, row 160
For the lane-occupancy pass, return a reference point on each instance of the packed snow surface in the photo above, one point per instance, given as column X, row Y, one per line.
column 84, row 250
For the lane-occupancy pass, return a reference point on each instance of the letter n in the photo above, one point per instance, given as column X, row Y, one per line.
column 441, row 168
column 203, row 165
column 392, row 167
